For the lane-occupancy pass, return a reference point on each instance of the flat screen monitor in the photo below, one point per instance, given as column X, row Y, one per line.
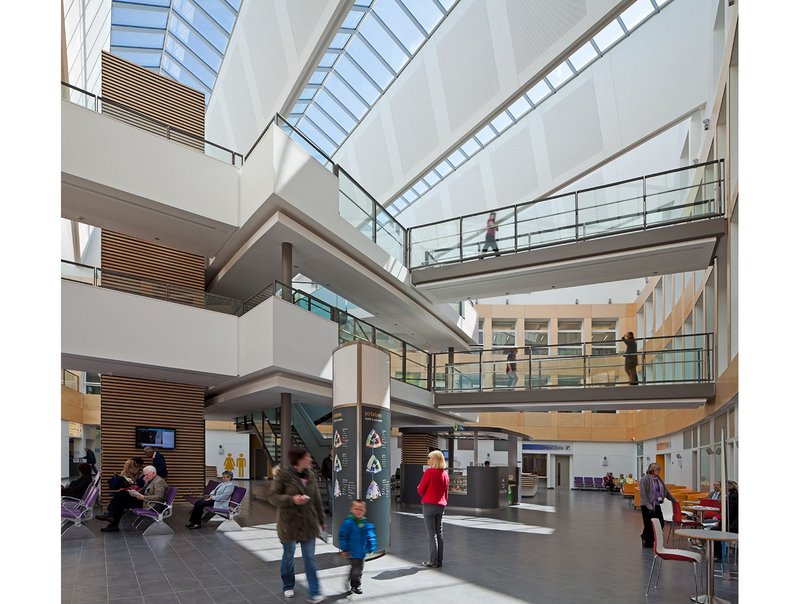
column 158, row 438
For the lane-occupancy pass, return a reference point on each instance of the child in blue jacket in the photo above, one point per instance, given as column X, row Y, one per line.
column 356, row 540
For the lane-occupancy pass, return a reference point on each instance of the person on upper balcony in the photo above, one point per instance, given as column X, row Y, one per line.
column 491, row 234
column 631, row 358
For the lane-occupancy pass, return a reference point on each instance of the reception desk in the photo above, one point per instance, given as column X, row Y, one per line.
column 475, row 487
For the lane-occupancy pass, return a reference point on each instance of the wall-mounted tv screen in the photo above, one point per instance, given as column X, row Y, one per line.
column 158, row 438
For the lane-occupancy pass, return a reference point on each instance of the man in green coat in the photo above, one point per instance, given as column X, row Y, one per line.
column 300, row 519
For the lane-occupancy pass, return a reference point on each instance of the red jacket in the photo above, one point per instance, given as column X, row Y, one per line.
column 433, row 486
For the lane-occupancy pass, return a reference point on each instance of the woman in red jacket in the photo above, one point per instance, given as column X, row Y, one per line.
column 433, row 489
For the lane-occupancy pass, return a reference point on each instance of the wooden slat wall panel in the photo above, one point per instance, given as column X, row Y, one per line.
column 130, row 402
column 414, row 447
column 132, row 257
column 154, row 95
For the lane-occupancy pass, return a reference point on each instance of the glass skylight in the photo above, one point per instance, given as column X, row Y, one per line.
column 183, row 39
column 376, row 40
column 605, row 39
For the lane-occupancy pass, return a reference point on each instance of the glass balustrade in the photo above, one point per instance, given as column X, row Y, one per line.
column 686, row 359
column 682, row 195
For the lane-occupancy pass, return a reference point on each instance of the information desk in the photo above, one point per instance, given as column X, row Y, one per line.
column 475, row 487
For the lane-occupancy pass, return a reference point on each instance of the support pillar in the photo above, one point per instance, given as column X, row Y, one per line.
column 451, row 453
column 475, row 450
column 287, row 269
column 362, row 422
column 286, row 427
column 514, row 468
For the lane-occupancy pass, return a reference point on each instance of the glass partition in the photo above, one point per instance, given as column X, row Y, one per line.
column 680, row 195
column 662, row 360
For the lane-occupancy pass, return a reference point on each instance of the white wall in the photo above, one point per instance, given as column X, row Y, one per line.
column 107, row 324
column 640, row 87
column 109, row 152
column 279, row 334
column 87, row 26
column 271, row 44
column 587, row 458
column 230, row 442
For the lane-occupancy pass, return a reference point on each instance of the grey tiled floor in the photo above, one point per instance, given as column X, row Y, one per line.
column 562, row 547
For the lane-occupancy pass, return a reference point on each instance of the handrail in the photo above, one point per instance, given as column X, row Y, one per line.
column 715, row 200
column 144, row 116
column 691, row 362
column 160, row 290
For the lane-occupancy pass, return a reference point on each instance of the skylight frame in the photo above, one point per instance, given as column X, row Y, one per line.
column 541, row 90
column 202, row 48
column 363, row 83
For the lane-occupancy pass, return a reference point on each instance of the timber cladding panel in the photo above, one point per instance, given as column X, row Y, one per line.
column 137, row 266
column 130, row 402
column 153, row 96
column 415, row 447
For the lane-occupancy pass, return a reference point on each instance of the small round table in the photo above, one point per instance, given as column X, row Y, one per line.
column 702, row 509
column 709, row 537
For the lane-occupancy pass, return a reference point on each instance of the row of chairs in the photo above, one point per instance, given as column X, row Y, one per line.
column 588, row 483
column 75, row 513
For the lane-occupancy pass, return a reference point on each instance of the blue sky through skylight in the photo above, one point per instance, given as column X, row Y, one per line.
column 183, row 39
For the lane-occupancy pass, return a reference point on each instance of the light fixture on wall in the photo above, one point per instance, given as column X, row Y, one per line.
column 711, row 451
column 221, row 450
column 706, row 123
column 680, row 460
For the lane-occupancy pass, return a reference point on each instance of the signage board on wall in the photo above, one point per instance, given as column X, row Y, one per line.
column 75, row 430
column 662, row 446
column 545, row 447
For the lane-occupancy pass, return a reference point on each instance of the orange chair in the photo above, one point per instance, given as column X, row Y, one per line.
column 679, row 521
column 679, row 555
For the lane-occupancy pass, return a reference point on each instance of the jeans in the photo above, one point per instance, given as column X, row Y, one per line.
column 512, row 379
column 309, row 562
column 432, row 514
column 356, row 569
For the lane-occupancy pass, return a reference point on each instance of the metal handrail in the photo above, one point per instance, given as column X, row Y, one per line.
column 169, row 128
column 514, row 211
column 700, row 357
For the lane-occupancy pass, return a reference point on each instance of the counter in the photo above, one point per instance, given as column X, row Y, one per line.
column 475, row 487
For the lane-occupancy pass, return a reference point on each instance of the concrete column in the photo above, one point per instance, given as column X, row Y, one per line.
column 451, row 452
column 475, row 450
column 287, row 268
column 286, row 427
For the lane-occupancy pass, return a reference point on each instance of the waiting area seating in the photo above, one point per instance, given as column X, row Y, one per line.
column 229, row 512
column 156, row 512
column 584, row 483
column 76, row 512
column 210, row 486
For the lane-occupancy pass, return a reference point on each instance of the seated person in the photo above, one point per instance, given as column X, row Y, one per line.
column 77, row 488
column 630, row 479
column 608, row 481
column 733, row 516
column 218, row 498
column 155, row 489
column 715, row 493
column 130, row 476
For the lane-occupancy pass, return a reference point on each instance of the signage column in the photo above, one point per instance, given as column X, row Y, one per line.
column 361, row 431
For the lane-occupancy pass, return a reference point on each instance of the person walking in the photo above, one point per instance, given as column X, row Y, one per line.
column 356, row 540
column 491, row 233
column 300, row 519
column 631, row 358
column 91, row 459
column 653, row 492
column 433, row 488
column 511, row 368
